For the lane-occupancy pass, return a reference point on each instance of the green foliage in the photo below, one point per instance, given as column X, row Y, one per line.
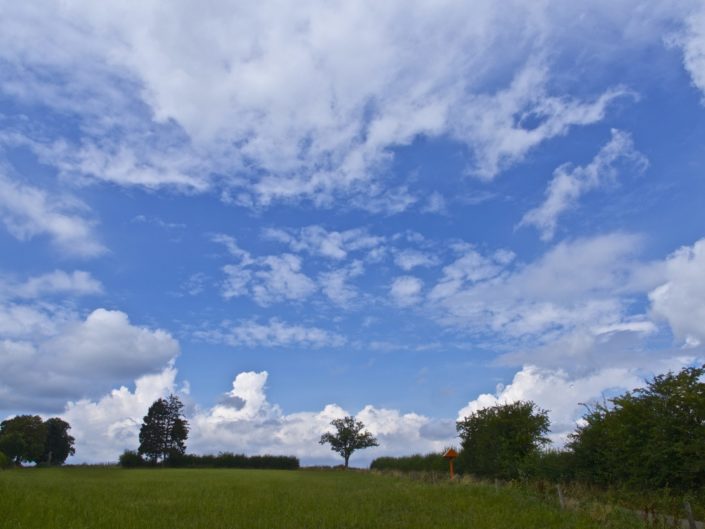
column 653, row 437
column 497, row 441
column 433, row 462
column 59, row 444
column 229, row 460
column 4, row 461
column 349, row 436
column 131, row 459
column 164, row 431
column 549, row 465
column 23, row 438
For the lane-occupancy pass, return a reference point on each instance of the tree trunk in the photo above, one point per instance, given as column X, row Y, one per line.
column 347, row 458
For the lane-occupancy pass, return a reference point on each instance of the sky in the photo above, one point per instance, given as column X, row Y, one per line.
column 285, row 213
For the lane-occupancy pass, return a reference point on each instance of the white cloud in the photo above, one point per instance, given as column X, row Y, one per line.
column 244, row 422
column 28, row 211
column 306, row 101
column 681, row 299
column 56, row 282
column 318, row 241
column 545, row 298
column 267, row 279
column 409, row 259
column 335, row 286
column 406, row 290
column 569, row 183
column 275, row 333
column 692, row 42
column 57, row 357
column 111, row 424
column 559, row 393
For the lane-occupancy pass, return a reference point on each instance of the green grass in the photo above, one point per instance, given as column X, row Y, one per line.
column 76, row 498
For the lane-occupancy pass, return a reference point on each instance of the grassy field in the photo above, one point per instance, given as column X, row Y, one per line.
column 75, row 498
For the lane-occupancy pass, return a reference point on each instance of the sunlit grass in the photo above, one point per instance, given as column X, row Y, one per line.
column 78, row 498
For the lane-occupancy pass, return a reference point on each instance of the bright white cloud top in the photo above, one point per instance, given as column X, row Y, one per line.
column 403, row 210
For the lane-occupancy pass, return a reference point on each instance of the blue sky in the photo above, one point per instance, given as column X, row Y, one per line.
column 289, row 213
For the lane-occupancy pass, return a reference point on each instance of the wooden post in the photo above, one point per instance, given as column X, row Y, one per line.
column 689, row 515
column 561, row 500
column 496, row 484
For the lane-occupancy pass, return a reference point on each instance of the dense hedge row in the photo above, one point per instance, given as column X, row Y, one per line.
column 130, row 459
column 414, row 463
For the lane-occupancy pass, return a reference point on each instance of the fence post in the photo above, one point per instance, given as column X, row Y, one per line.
column 561, row 500
column 689, row 515
column 496, row 484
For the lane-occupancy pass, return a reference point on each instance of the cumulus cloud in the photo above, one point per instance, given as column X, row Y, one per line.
column 28, row 212
column 59, row 357
column 244, row 421
column 569, row 183
column 406, row 290
column 559, row 393
column 277, row 102
column 274, row 333
column 105, row 427
column 681, row 299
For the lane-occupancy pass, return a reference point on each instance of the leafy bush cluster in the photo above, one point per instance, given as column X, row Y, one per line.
column 432, row 462
column 131, row 459
column 649, row 438
column 4, row 461
column 653, row 437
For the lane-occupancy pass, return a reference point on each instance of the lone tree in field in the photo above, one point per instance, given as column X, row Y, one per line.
column 164, row 431
column 348, row 437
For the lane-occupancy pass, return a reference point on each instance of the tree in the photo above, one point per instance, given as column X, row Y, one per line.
column 496, row 441
column 164, row 431
column 348, row 437
column 22, row 438
column 651, row 437
column 59, row 444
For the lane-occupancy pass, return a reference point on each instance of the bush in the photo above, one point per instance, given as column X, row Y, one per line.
column 131, row 459
column 230, row 460
column 4, row 461
column 433, row 462
column 550, row 465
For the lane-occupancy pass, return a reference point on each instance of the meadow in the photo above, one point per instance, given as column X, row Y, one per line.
column 95, row 498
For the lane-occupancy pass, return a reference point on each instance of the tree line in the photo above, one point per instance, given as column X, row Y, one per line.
column 649, row 438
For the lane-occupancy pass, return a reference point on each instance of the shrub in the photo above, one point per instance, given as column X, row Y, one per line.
column 131, row 459
column 230, row 460
column 4, row 461
column 433, row 462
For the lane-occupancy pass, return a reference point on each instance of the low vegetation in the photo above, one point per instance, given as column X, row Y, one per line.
column 130, row 459
column 213, row 499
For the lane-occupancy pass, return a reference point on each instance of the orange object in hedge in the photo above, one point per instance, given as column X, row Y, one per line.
column 450, row 455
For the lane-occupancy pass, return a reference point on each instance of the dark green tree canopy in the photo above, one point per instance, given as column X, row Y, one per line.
column 497, row 440
column 28, row 439
column 650, row 437
column 164, row 431
column 349, row 436
column 59, row 444
column 23, row 438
